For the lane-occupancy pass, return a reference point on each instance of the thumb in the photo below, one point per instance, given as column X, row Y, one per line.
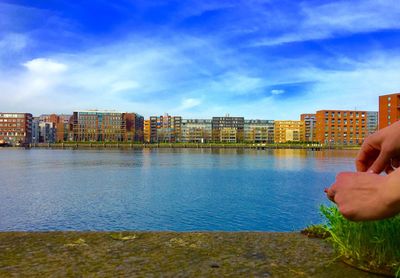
column 380, row 163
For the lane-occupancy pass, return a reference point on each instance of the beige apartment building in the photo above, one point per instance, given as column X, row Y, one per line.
column 289, row 131
column 196, row 130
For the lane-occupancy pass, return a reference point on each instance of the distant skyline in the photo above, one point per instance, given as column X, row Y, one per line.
column 269, row 59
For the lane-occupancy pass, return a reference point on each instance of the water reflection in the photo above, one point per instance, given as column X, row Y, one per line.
column 165, row 189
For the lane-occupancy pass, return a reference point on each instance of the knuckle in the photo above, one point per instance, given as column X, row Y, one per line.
column 368, row 139
column 347, row 212
column 341, row 176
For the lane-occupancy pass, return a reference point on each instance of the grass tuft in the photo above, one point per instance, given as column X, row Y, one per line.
column 370, row 245
column 316, row 231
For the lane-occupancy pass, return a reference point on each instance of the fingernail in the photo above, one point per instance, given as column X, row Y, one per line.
column 371, row 171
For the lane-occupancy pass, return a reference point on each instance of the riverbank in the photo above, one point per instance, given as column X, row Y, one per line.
column 108, row 145
column 168, row 254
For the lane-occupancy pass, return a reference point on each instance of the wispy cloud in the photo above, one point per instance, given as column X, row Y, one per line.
column 189, row 58
column 189, row 103
column 277, row 91
column 42, row 66
column 13, row 42
column 335, row 19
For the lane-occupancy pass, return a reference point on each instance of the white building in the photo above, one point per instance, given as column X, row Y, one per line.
column 196, row 130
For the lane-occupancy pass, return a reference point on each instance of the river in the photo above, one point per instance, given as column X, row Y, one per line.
column 165, row 189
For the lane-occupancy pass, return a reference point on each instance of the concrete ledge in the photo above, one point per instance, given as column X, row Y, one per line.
column 168, row 254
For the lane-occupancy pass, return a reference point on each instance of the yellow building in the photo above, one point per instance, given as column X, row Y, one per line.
column 228, row 135
column 146, row 131
column 289, row 131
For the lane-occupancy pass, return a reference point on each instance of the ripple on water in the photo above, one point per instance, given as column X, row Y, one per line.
column 179, row 189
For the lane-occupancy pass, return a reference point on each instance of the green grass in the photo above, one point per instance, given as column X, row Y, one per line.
column 372, row 245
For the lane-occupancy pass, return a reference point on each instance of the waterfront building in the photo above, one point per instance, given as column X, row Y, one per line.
column 289, row 131
column 259, row 131
column 95, row 126
column 35, row 130
column 63, row 126
column 227, row 129
column 389, row 109
column 165, row 129
column 372, row 122
column 228, row 135
column 341, row 126
column 134, row 124
column 107, row 126
column 47, row 132
column 52, row 128
column 44, row 129
column 196, row 130
column 146, row 131
column 310, row 124
column 153, row 129
column 15, row 128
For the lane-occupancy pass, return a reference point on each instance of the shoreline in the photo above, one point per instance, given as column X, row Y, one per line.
column 170, row 254
column 112, row 145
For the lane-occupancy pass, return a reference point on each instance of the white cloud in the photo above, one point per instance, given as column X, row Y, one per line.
column 337, row 19
column 277, row 92
column 189, row 103
column 237, row 83
column 13, row 42
column 141, row 75
column 45, row 66
column 124, row 85
column 146, row 82
column 204, row 76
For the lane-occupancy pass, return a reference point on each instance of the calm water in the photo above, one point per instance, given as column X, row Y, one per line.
column 165, row 189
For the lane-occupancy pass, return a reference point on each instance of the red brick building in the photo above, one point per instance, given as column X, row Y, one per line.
column 134, row 125
column 63, row 126
column 107, row 126
column 389, row 109
column 341, row 127
column 15, row 128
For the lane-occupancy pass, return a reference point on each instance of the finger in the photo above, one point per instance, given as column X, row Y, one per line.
column 389, row 169
column 395, row 162
column 330, row 193
column 380, row 163
column 365, row 157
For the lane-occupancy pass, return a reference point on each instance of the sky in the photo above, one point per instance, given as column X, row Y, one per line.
column 264, row 59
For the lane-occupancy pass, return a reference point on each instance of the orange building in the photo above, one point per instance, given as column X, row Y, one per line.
column 133, row 127
column 310, row 123
column 62, row 124
column 341, row 126
column 146, row 130
column 389, row 109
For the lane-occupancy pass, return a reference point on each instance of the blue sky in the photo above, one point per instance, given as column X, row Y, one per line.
column 268, row 59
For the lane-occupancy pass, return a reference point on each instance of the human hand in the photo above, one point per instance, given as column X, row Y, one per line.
column 380, row 151
column 366, row 196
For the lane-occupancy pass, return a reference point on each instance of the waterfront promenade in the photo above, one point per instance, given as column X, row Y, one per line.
column 167, row 254
column 97, row 145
